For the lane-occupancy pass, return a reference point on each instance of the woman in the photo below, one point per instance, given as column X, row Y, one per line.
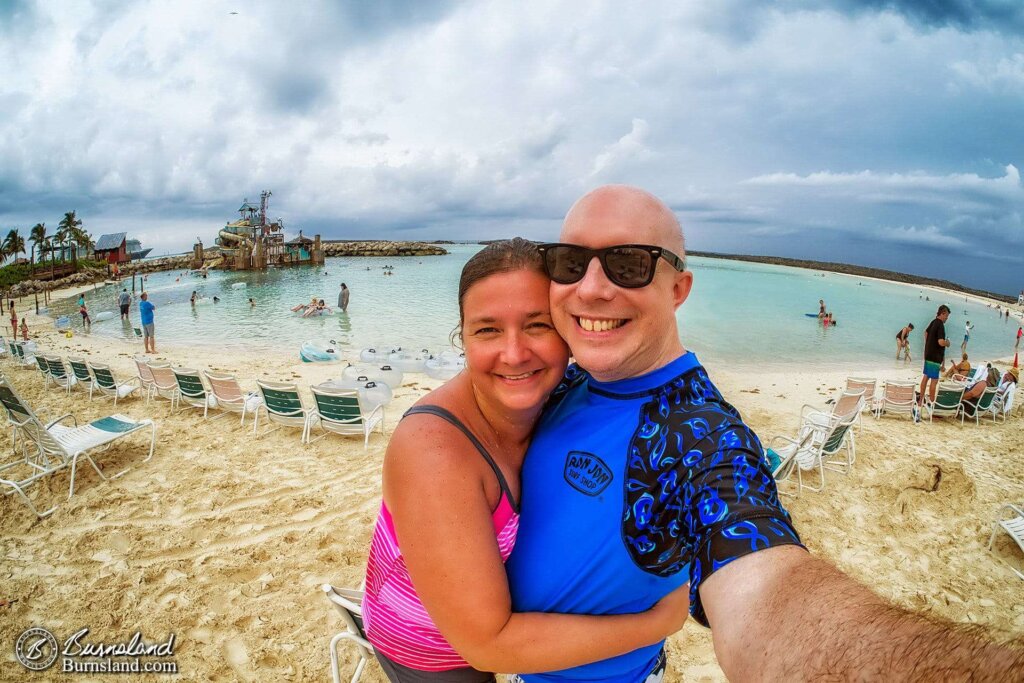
column 14, row 319
column 437, row 602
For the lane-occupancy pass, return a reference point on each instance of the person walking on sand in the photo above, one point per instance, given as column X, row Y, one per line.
column 14, row 321
column 343, row 297
column 148, row 331
column 1020, row 333
column 935, row 345
column 967, row 336
column 903, row 341
column 124, row 301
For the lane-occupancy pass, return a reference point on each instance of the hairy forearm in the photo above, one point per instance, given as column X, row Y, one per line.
column 536, row 642
column 823, row 624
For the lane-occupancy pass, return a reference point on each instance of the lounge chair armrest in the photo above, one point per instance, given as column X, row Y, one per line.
column 61, row 419
column 774, row 439
column 1012, row 508
column 377, row 410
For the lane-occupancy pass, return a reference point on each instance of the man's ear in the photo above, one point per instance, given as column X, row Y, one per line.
column 681, row 287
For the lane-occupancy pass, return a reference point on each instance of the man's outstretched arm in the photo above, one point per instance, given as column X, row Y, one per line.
column 783, row 614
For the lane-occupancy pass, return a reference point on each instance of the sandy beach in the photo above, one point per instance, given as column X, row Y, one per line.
column 224, row 539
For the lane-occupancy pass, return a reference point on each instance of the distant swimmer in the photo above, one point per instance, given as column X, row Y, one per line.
column 251, row 302
column 821, row 309
column 194, row 298
column 216, row 299
column 903, row 341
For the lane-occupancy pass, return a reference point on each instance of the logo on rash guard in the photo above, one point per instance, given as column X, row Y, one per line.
column 587, row 473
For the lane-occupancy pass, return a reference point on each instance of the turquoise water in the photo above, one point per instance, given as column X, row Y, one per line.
column 738, row 313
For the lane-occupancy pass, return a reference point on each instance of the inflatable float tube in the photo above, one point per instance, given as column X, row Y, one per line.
column 378, row 354
column 103, row 315
column 62, row 323
column 409, row 361
column 383, row 373
column 374, row 393
column 203, row 300
column 239, row 285
column 444, row 367
column 311, row 352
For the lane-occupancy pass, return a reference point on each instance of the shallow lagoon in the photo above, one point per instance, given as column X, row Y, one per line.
column 738, row 313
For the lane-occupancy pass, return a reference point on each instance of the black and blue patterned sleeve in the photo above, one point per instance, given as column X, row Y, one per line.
column 731, row 504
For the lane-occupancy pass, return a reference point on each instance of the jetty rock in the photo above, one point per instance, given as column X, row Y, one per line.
column 380, row 248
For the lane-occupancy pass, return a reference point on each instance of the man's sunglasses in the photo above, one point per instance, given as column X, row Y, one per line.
column 626, row 265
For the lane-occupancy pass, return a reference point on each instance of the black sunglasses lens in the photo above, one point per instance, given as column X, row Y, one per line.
column 629, row 266
column 565, row 264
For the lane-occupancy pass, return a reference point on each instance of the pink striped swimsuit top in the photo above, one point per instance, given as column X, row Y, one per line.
column 394, row 617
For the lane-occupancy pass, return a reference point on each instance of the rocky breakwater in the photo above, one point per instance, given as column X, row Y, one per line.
column 179, row 262
column 381, row 248
column 82, row 277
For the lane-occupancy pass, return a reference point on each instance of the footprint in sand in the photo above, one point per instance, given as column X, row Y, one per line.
column 237, row 657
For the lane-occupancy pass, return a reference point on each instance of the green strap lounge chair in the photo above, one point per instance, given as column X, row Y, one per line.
column 44, row 369
column 107, row 384
column 282, row 405
column 192, row 390
column 830, row 446
column 61, row 375
column 983, row 406
column 948, row 396
column 53, row 446
column 338, row 411
column 81, row 371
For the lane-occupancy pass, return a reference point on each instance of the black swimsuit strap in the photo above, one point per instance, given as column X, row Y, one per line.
column 447, row 416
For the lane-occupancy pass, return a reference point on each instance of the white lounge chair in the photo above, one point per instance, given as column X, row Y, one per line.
column 1002, row 404
column 165, row 384
column 349, row 604
column 51, row 447
column 1013, row 525
column 897, row 398
column 145, row 375
column 869, row 386
column 230, row 398
column 340, row 411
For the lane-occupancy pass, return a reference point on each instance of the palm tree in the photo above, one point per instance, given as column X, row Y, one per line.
column 38, row 238
column 83, row 239
column 13, row 244
column 66, row 233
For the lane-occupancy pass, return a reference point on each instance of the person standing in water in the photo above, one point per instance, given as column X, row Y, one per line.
column 343, row 297
column 903, row 341
column 967, row 336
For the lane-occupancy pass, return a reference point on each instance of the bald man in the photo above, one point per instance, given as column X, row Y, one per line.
column 642, row 478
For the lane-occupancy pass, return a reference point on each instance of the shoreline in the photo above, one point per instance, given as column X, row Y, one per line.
column 861, row 271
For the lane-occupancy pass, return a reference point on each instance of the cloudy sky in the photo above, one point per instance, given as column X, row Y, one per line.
column 882, row 132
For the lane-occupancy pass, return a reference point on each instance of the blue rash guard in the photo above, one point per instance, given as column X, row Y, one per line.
column 631, row 489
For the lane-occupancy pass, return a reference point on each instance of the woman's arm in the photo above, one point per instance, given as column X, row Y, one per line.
column 434, row 486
